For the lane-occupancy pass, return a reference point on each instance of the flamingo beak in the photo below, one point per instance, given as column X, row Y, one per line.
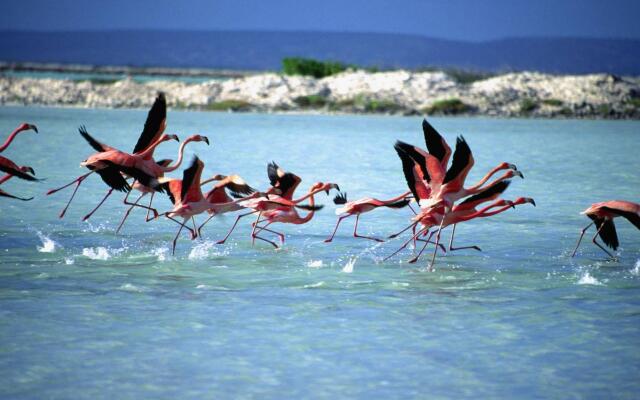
column 30, row 170
column 512, row 166
column 31, row 126
column 176, row 138
column 206, row 140
column 518, row 173
column 532, row 201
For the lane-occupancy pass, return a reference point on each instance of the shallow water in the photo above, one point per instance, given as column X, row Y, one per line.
column 85, row 313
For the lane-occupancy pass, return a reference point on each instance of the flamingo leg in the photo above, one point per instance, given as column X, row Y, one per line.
column 405, row 244
column 147, row 219
column 336, row 228
column 234, row 226
column 253, row 229
column 77, row 181
column 86, row 217
column 426, row 242
column 266, row 240
column 175, row 239
column 599, row 245
column 204, row 223
column 264, row 228
column 182, row 225
column 580, row 238
column 413, row 232
column 195, row 228
column 413, row 225
column 355, row 233
column 451, row 248
column 433, row 259
column 126, row 214
column 135, row 204
column 412, row 210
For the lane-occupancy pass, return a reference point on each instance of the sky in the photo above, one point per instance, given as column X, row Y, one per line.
column 474, row 20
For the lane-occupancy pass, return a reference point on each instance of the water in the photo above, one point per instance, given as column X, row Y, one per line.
column 107, row 77
column 85, row 313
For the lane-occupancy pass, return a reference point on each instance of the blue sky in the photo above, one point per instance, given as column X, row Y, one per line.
column 452, row 19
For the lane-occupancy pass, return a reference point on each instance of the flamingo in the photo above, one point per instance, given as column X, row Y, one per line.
column 220, row 202
column 21, row 128
column 153, row 128
column 5, row 178
column 9, row 167
column 361, row 206
column 158, row 170
column 187, row 198
column 283, row 211
column 602, row 215
column 107, row 163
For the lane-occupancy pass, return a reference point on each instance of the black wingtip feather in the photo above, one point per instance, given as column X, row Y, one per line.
column 97, row 146
column 309, row 207
column 341, row 198
column 489, row 192
column 399, row 204
column 433, row 140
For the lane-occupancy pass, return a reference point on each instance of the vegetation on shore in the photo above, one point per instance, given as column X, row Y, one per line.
column 311, row 67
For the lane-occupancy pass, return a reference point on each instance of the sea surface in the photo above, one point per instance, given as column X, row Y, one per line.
column 88, row 314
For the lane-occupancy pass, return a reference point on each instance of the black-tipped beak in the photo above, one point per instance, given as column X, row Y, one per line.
column 326, row 191
column 337, row 187
column 512, row 166
column 518, row 173
column 31, row 171
column 206, row 140
column 532, row 201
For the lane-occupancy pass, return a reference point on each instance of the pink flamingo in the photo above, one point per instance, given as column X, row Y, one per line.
column 21, row 128
column 187, row 197
column 283, row 211
column 5, row 178
column 159, row 169
column 602, row 215
column 362, row 206
column 219, row 200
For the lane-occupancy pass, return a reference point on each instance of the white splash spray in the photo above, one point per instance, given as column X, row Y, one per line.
column 48, row 245
column 96, row 253
column 588, row 279
column 348, row 267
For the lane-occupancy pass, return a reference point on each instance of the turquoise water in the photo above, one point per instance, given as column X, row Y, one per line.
column 85, row 313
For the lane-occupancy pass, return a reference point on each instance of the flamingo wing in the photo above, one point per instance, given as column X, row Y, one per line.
column 9, row 167
column 461, row 164
column 142, row 177
column 436, row 145
column 414, row 176
column 631, row 216
column 286, row 182
column 114, row 179
column 190, row 176
column 607, row 231
column 341, row 198
column 238, row 186
column 154, row 125
column 100, row 147
column 487, row 194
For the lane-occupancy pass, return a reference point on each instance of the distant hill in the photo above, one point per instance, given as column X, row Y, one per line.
column 248, row 50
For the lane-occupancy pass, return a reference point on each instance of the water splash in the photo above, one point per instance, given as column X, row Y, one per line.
column 69, row 261
column 128, row 287
column 588, row 279
column 636, row 269
column 203, row 250
column 96, row 253
column 315, row 264
column 48, row 245
column 161, row 253
column 348, row 267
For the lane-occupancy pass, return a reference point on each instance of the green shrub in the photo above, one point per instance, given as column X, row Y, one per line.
column 463, row 76
column 447, row 107
column 381, row 106
column 528, row 105
column 101, row 81
column 311, row 101
column 603, row 109
column 226, row 105
column 552, row 102
column 310, row 67
column 635, row 102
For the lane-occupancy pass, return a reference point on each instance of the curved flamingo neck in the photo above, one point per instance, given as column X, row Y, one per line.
column 308, row 217
column 10, row 139
column 179, row 160
column 308, row 195
column 148, row 152
column 486, row 177
column 402, row 196
column 482, row 213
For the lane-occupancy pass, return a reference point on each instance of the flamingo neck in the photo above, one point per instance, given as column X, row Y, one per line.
column 10, row 139
column 148, row 152
column 308, row 217
column 486, row 178
column 482, row 213
column 402, row 196
column 308, row 195
column 179, row 160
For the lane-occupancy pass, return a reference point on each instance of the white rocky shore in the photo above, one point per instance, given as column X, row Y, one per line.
column 396, row 92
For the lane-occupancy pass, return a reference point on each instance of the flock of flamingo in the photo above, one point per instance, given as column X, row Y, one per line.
column 439, row 192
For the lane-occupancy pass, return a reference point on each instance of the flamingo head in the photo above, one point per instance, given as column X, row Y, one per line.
column 218, row 177
column 198, row 138
column 524, row 200
column 506, row 165
column 26, row 127
column 28, row 169
column 511, row 173
column 167, row 137
column 326, row 187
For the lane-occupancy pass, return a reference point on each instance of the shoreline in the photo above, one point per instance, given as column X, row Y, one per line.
column 400, row 92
